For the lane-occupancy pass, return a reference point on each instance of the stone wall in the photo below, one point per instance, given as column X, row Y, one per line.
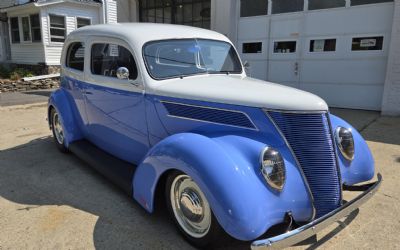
column 16, row 86
column 391, row 95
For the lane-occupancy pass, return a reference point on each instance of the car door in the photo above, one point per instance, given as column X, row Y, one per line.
column 73, row 80
column 115, row 107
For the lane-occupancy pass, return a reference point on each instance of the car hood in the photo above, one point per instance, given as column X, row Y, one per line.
column 239, row 90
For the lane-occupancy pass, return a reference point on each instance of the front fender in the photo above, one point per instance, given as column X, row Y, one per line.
column 362, row 167
column 60, row 101
column 227, row 170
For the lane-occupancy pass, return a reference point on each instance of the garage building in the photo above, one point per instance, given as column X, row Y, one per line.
column 346, row 51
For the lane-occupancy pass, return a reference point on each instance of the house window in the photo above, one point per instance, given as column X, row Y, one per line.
column 188, row 12
column 26, row 30
column 35, row 28
column 76, row 56
column 325, row 4
column 323, row 45
column 57, row 28
column 107, row 58
column 253, row 8
column 286, row 6
column 367, row 43
column 285, row 47
column 81, row 22
column 361, row 2
column 249, row 48
column 14, row 30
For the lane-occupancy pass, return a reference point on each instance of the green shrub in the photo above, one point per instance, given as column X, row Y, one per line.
column 4, row 72
column 19, row 73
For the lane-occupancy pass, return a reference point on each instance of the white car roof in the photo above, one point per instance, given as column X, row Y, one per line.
column 137, row 34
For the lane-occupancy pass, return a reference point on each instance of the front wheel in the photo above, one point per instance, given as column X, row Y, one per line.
column 191, row 211
column 58, row 131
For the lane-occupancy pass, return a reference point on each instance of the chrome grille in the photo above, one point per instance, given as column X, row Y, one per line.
column 309, row 136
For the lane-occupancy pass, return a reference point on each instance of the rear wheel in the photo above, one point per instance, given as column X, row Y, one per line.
column 58, row 131
column 191, row 211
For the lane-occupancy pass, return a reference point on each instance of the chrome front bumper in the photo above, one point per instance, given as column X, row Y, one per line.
column 302, row 233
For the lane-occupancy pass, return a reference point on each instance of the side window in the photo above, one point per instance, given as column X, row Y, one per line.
column 107, row 58
column 81, row 22
column 250, row 48
column 14, row 30
column 76, row 56
column 323, row 45
column 367, row 43
column 285, row 47
column 57, row 28
column 253, row 8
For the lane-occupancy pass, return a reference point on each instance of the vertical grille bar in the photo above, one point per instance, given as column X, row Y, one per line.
column 309, row 136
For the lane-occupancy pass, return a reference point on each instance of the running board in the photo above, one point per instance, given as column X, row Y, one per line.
column 118, row 171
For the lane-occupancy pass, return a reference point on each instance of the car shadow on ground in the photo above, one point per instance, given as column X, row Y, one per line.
column 37, row 174
column 46, row 92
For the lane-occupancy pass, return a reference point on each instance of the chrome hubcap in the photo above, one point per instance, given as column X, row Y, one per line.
column 190, row 206
column 57, row 128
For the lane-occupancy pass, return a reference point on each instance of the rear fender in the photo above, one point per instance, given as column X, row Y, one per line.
column 230, row 178
column 59, row 100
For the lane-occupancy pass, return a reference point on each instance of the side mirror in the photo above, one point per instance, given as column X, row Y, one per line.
column 122, row 73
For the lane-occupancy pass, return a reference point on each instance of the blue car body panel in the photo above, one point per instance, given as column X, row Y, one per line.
column 223, row 160
column 362, row 167
column 229, row 177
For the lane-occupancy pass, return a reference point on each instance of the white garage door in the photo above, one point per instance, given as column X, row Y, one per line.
column 339, row 54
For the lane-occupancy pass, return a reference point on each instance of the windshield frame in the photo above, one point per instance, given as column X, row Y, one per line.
column 194, row 74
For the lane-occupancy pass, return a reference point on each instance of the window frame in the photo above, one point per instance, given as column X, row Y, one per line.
column 205, row 22
column 65, row 63
column 286, row 12
column 268, row 10
column 38, row 27
column 322, row 38
column 253, row 53
column 177, row 39
column 82, row 17
column 12, row 30
column 286, row 53
column 49, row 28
column 29, row 29
column 367, row 36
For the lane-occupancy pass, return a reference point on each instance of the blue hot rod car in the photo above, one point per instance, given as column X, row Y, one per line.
column 165, row 108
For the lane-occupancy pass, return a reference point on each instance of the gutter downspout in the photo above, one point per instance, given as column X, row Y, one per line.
column 104, row 11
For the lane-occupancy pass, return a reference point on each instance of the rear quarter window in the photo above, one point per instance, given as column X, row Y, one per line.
column 75, row 56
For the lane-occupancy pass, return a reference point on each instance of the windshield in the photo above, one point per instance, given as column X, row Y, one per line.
column 184, row 57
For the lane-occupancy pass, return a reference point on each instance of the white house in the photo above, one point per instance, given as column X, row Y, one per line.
column 33, row 32
column 346, row 51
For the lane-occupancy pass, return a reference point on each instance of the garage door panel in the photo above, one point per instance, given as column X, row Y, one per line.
column 361, row 19
column 246, row 29
column 368, row 97
column 362, row 72
column 285, row 27
column 282, row 72
column 257, row 69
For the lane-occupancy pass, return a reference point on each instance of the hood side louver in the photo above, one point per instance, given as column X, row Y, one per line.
column 210, row 115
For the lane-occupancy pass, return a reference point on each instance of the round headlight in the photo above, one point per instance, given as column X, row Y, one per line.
column 344, row 140
column 273, row 168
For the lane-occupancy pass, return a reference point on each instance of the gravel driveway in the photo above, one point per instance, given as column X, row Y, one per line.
column 50, row 200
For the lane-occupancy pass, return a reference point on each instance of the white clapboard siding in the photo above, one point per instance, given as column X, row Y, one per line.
column 27, row 53
column 112, row 16
column 70, row 11
column 6, row 3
